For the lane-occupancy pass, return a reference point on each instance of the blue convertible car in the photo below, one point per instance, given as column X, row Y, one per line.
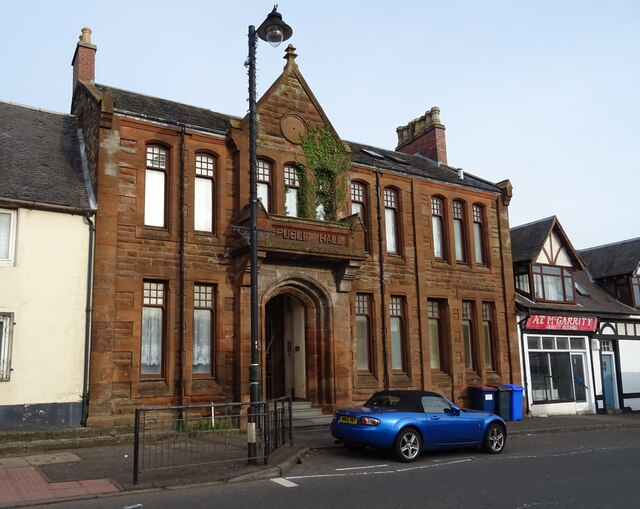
column 408, row 421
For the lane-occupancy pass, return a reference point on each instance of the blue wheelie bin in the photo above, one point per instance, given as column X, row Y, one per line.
column 515, row 400
column 483, row 397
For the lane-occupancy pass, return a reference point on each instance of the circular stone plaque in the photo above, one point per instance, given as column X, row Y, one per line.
column 293, row 127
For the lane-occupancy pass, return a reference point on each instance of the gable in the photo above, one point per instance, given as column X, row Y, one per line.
column 554, row 252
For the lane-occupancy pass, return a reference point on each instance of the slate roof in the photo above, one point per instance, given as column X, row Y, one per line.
column 415, row 165
column 527, row 239
column 169, row 111
column 595, row 301
column 40, row 158
column 617, row 259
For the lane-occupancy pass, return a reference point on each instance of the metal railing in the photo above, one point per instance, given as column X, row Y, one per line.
column 179, row 436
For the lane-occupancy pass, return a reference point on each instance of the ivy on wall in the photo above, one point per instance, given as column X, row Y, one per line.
column 328, row 161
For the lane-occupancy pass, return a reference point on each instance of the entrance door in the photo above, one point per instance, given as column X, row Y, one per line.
column 285, row 348
column 608, row 380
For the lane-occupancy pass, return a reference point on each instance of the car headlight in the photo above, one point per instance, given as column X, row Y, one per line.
column 369, row 421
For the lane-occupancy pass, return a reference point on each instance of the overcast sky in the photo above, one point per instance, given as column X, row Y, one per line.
column 544, row 93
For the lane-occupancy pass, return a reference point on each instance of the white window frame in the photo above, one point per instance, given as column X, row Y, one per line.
column 292, row 188
column 155, row 186
column 391, row 220
column 203, row 323
column 9, row 241
column 6, row 345
column 203, row 193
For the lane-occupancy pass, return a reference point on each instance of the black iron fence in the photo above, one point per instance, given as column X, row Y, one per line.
column 180, row 436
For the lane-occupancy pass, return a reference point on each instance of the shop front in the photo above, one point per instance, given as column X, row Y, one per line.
column 559, row 368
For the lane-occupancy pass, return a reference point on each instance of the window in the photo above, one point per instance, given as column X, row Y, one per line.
column 358, row 200
column 203, row 200
column 202, row 362
column 551, row 376
column 435, row 334
column 391, row 220
column 478, row 234
column 292, row 188
column 557, row 375
column 153, row 305
column 398, row 348
column 437, row 225
column 7, row 236
column 459, row 231
column 435, row 405
column 487, row 335
column 6, row 335
column 363, row 333
column 553, row 283
column 154, row 187
column 468, row 334
column 635, row 289
column 263, row 179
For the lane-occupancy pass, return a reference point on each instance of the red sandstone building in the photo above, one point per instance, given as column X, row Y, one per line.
column 402, row 278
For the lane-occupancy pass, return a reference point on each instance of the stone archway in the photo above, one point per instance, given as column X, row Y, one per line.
column 298, row 342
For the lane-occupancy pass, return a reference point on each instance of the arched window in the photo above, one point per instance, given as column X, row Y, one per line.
column 155, row 186
column 459, row 230
column 437, row 227
column 292, row 189
column 358, row 200
column 391, row 220
column 479, row 235
column 263, row 181
column 204, row 192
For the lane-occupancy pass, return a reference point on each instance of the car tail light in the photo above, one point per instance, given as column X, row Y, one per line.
column 369, row 421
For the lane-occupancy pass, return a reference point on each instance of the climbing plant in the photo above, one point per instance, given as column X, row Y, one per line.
column 329, row 161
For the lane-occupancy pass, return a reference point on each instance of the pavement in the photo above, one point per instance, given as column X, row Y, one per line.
column 54, row 469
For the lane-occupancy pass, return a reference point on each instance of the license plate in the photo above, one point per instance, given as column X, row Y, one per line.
column 348, row 419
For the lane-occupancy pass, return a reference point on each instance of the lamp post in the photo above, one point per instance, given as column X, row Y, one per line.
column 274, row 31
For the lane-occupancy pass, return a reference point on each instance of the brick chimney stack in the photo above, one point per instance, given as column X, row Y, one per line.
column 425, row 136
column 84, row 59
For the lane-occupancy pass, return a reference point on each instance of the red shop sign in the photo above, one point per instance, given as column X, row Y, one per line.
column 569, row 323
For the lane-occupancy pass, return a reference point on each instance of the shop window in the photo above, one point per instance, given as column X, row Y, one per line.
column 204, row 192
column 292, row 189
column 437, row 227
column 363, row 333
column 391, row 220
column 553, row 283
column 152, row 341
column 155, row 187
column 459, row 232
column 263, row 183
column 398, row 341
column 203, row 346
column 6, row 343
column 551, row 377
column 479, row 235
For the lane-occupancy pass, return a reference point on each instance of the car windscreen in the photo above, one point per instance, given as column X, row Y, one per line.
column 391, row 402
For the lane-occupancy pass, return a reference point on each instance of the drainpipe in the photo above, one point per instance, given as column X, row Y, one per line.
column 383, row 309
column 181, row 283
column 87, row 323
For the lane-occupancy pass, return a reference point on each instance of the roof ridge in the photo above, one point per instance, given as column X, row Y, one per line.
column 618, row 243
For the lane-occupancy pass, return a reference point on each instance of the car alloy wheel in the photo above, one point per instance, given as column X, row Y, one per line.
column 494, row 439
column 408, row 445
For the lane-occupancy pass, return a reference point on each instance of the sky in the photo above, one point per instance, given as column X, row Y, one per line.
column 544, row 93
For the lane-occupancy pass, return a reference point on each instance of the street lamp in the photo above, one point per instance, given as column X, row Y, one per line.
column 274, row 31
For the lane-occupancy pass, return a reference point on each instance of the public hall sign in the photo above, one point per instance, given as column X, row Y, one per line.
column 562, row 323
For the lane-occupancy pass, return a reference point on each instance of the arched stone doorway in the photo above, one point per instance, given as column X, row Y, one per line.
column 285, row 348
column 298, row 343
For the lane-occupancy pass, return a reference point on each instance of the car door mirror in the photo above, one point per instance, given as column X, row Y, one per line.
column 453, row 410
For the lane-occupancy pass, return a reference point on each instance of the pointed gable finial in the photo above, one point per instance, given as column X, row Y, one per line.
column 290, row 56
